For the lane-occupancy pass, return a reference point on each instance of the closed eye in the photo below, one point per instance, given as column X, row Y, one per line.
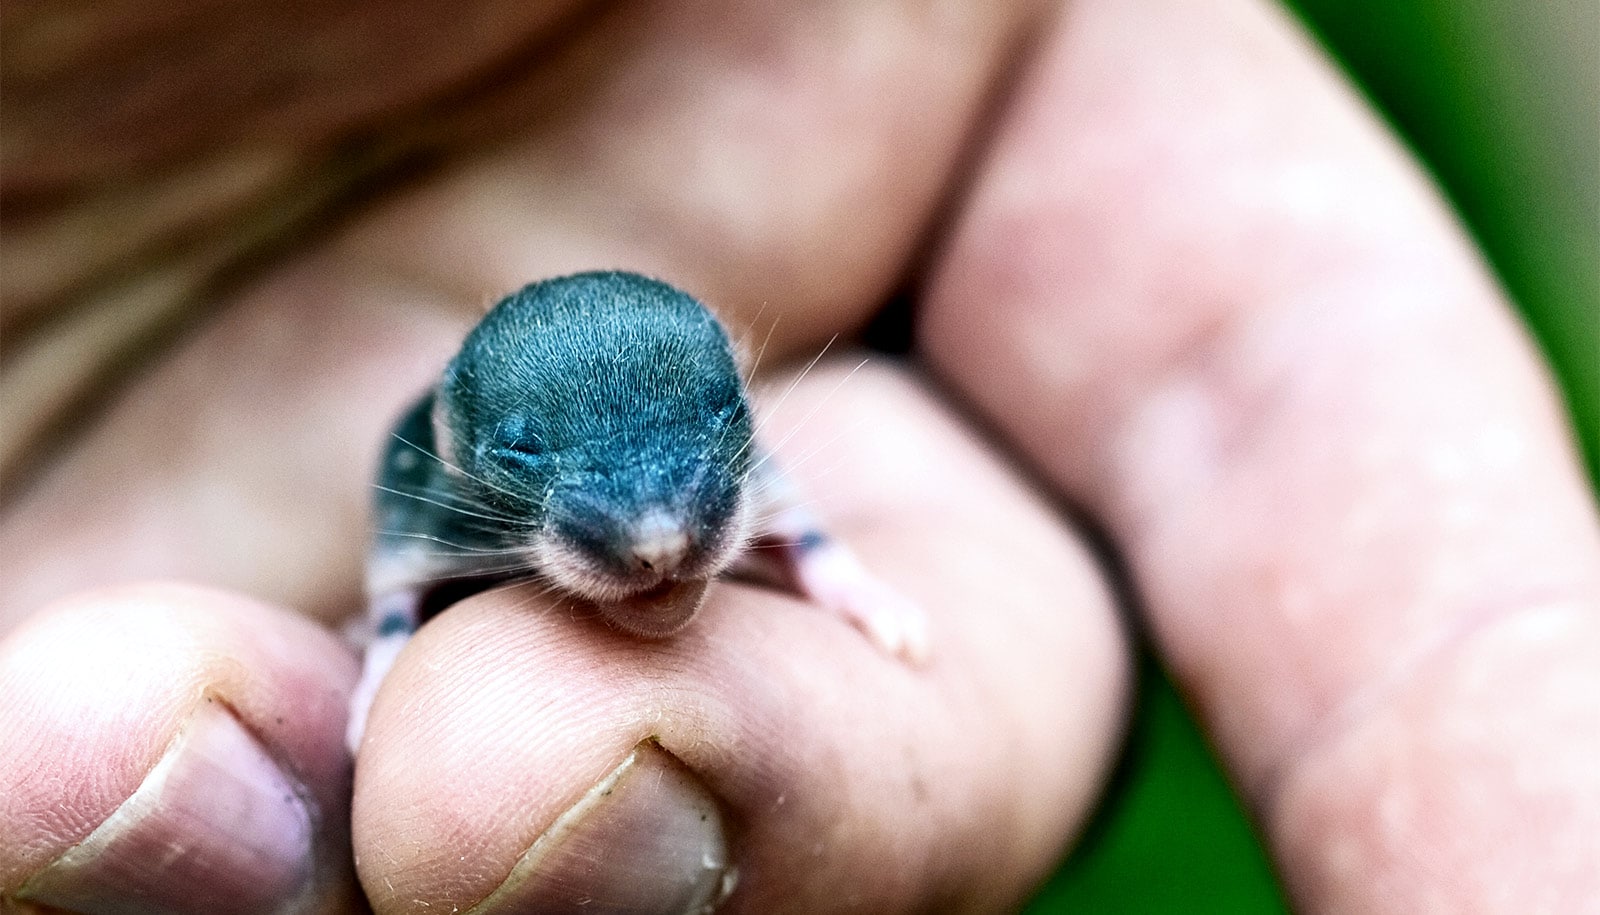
column 731, row 413
column 526, row 454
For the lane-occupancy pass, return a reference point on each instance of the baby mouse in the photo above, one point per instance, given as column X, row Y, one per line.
column 594, row 434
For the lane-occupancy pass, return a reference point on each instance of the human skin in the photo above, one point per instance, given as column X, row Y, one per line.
column 1175, row 277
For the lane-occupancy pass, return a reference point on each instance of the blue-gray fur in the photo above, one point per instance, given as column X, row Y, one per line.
column 422, row 507
column 576, row 404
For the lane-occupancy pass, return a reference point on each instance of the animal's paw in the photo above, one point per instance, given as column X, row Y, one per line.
column 380, row 656
column 833, row 577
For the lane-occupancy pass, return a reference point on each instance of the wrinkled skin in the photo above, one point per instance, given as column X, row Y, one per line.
column 1179, row 279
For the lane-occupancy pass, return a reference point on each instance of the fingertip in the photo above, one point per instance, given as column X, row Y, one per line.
column 187, row 720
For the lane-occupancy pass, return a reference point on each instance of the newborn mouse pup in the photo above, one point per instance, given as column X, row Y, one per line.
column 594, row 433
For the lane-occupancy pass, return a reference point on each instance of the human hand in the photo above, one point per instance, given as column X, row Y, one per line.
column 1189, row 285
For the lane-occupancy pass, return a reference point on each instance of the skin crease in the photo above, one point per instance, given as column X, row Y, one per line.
column 1191, row 284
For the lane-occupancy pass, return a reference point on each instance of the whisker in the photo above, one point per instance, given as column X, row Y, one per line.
column 501, row 519
column 534, row 588
column 458, row 469
column 807, row 418
column 823, row 447
column 771, row 411
column 751, row 374
column 466, row 549
column 755, row 366
column 765, row 543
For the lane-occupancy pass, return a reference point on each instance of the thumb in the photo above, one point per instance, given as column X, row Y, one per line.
column 174, row 749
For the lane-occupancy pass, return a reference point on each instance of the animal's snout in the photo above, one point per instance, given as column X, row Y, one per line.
column 659, row 543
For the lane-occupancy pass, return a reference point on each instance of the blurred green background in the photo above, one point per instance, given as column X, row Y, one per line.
column 1499, row 100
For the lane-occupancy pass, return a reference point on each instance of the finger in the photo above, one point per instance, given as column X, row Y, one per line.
column 177, row 750
column 662, row 158
column 1212, row 302
column 674, row 161
column 323, row 78
column 521, row 754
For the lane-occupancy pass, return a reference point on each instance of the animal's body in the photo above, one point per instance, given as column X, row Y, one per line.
column 594, row 433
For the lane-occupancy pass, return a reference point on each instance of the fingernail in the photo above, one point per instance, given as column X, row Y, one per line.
column 648, row 838
column 216, row 826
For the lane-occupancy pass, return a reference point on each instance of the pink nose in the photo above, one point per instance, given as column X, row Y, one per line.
column 659, row 543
